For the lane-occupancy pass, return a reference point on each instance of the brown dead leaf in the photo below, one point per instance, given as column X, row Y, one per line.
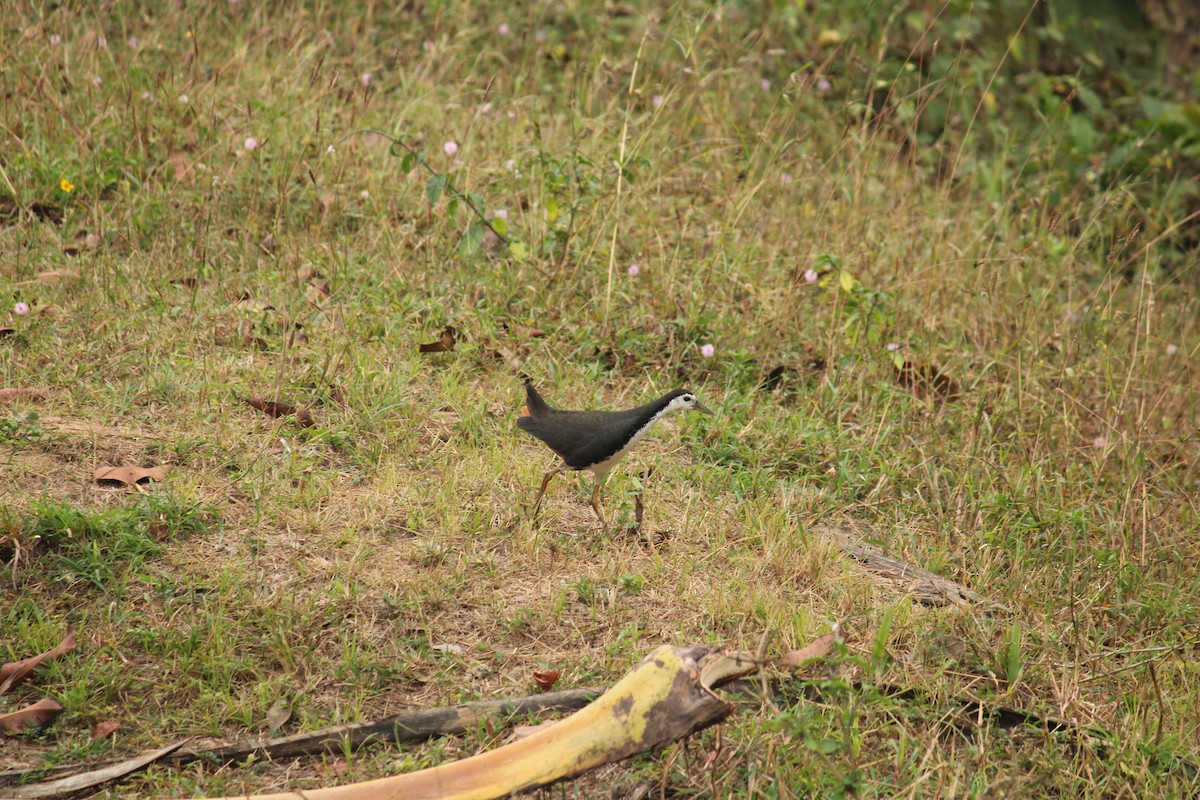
column 817, row 648
column 19, row 393
column 47, row 212
column 306, row 273
column 37, row 715
column 277, row 408
column 52, row 275
column 105, row 729
column 545, row 679
column 316, row 291
column 253, row 304
column 127, row 476
column 503, row 354
column 14, row 673
column 444, row 344
column 925, row 379
column 278, row 714
column 522, row 331
column 182, row 166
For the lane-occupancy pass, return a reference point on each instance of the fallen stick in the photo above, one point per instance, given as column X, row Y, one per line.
column 87, row 780
column 926, row 587
column 665, row 698
column 408, row 726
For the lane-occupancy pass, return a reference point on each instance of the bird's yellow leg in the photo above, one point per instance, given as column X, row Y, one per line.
column 537, row 502
column 596, row 501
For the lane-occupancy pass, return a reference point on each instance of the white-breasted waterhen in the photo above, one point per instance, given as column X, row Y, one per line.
column 595, row 440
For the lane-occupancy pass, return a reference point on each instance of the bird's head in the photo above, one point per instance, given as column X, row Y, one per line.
column 684, row 400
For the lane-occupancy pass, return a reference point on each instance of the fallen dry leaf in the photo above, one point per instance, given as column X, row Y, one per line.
column 522, row 331
column 52, row 275
column 443, row 344
column 255, row 305
column 316, row 291
column 503, row 354
column 19, row 393
column 818, row 648
column 279, row 713
column 545, row 679
column 127, row 476
column 306, row 273
column 44, row 211
column 277, row 408
column 14, row 673
column 925, row 378
column 105, row 729
column 182, row 166
column 37, row 715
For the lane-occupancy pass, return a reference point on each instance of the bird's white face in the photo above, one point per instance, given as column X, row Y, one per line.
column 686, row 402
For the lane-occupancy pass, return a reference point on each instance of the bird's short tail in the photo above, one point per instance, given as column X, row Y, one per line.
column 534, row 404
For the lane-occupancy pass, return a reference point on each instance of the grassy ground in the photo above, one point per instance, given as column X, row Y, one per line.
column 221, row 214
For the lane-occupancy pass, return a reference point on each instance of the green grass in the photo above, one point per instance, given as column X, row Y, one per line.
column 1038, row 265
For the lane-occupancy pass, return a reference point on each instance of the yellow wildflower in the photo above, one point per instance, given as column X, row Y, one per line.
column 66, row 186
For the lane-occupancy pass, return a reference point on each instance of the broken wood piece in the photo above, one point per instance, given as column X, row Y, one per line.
column 86, row 780
column 416, row 725
column 661, row 700
column 926, row 587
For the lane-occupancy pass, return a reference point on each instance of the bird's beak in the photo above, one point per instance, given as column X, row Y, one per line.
column 701, row 407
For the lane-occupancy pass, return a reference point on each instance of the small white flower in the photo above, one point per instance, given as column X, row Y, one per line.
column 450, row 147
